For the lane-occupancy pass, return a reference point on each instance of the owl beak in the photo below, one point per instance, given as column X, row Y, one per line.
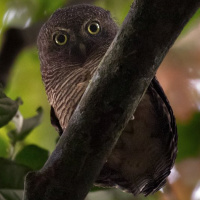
column 82, row 49
column 79, row 51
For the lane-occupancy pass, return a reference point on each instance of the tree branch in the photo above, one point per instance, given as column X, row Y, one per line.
column 126, row 71
column 15, row 40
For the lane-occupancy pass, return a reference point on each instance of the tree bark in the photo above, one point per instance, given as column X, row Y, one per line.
column 112, row 96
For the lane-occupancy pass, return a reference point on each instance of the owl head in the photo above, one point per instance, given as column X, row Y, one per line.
column 71, row 44
column 74, row 36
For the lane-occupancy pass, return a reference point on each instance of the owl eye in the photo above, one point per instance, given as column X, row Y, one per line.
column 93, row 28
column 60, row 38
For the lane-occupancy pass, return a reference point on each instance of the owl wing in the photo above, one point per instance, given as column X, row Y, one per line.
column 146, row 151
column 156, row 85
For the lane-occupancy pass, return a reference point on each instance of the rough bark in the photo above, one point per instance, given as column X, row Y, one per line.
column 147, row 33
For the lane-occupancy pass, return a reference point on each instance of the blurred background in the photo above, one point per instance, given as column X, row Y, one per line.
column 179, row 75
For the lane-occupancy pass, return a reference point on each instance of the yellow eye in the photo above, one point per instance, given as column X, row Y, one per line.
column 60, row 38
column 93, row 28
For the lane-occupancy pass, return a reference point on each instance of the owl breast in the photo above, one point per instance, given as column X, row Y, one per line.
column 65, row 86
column 65, row 92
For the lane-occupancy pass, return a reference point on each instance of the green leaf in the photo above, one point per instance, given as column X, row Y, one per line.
column 3, row 147
column 29, row 124
column 8, row 108
column 11, row 194
column 189, row 137
column 12, row 174
column 32, row 156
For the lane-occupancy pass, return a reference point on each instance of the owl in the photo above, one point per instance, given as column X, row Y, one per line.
column 71, row 45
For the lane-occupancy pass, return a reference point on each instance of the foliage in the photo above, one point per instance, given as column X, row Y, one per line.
column 8, row 108
column 16, row 165
column 190, row 137
column 6, row 194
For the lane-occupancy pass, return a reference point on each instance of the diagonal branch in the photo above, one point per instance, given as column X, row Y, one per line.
column 127, row 69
